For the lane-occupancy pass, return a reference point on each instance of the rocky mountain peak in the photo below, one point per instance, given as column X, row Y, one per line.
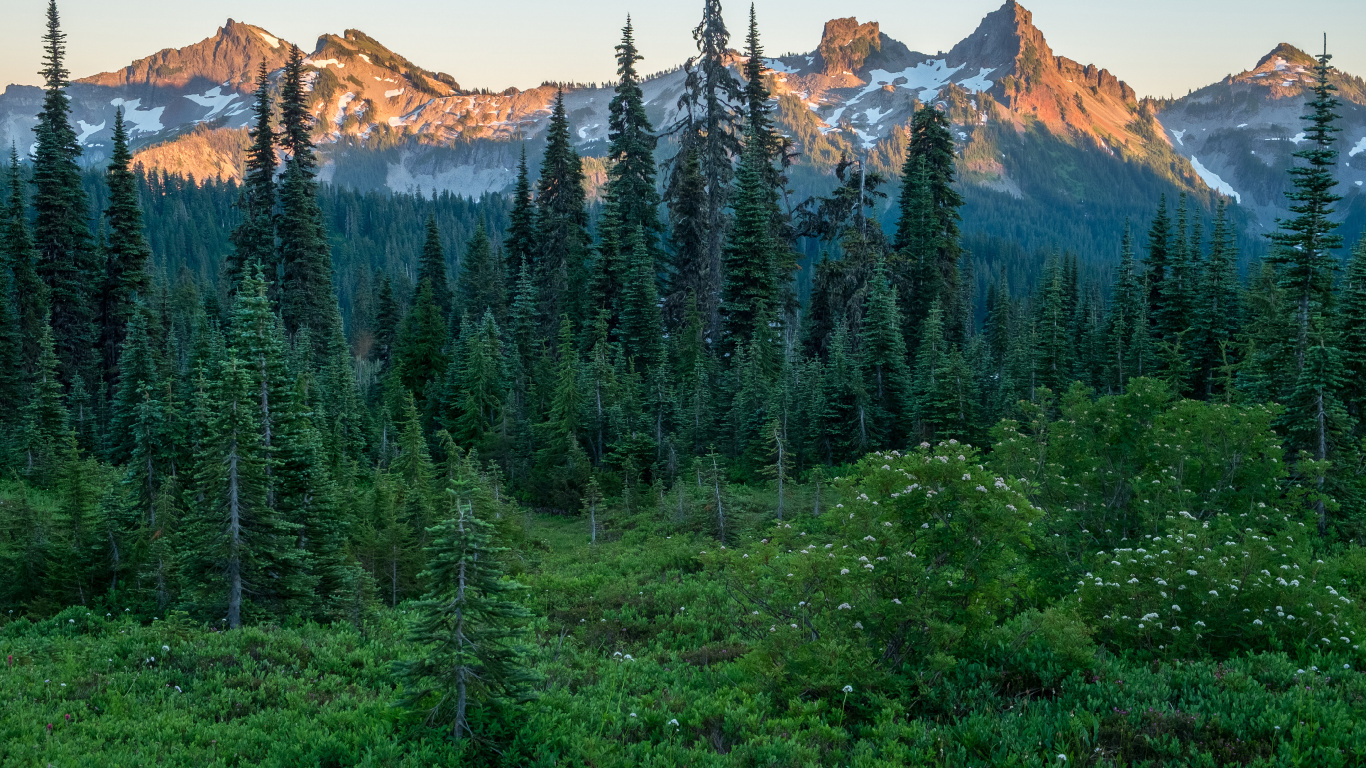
column 846, row 44
column 1001, row 38
column 229, row 58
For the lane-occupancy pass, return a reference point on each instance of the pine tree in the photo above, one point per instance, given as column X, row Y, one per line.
column 241, row 557
column 126, row 254
column 306, row 296
column 30, row 292
column 254, row 238
column 641, row 326
column 1124, row 333
column 480, row 387
column 1303, row 248
column 67, row 258
column 1216, row 313
column 709, row 135
column 431, row 268
column 46, row 422
column 466, row 625
column 632, row 201
column 387, row 321
column 419, row 357
column 927, row 230
column 141, row 370
column 689, row 275
column 562, row 220
column 11, row 363
column 521, row 233
column 748, row 289
column 561, row 463
column 884, row 352
column 480, row 288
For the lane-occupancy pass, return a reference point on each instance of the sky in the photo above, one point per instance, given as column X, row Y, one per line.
column 1160, row 47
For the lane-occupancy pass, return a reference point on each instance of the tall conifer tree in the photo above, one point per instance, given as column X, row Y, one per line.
column 126, row 254
column 67, row 258
column 254, row 238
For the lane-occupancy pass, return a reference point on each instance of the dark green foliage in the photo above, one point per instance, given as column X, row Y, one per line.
column 306, row 295
column 562, row 221
column 467, row 622
column 521, row 236
column 67, row 259
column 254, row 239
column 46, row 421
column 419, row 356
column 431, row 268
column 126, row 255
column 481, row 287
column 29, row 291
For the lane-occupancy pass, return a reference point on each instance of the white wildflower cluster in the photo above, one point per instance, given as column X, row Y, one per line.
column 1252, row 585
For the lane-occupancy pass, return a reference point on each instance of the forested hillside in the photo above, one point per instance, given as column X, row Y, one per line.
column 690, row 476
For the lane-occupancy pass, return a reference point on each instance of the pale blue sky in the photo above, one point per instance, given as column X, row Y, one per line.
column 1159, row 47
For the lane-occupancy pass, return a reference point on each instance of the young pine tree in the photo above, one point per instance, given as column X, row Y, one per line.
column 467, row 623
column 431, row 268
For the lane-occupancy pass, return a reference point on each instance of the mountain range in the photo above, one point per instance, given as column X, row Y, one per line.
column 1052, row 147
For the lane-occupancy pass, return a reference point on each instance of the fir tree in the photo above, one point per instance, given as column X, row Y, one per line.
column 928, row 225
column 1216, row 313
column 641, row 326
column 11, row 362
column 45, row 417
column 1351, row 321
column 561, row 463
column 419, row 358
column 689, row 275
column 632, row 201
column 1303, row 248
column 241, row 557
column 562, row 219
column 306, row 296
column 126, row 254
column 1124, row 333
column 748, row 287
column 254, row 238
column 709, row 135
column 466, row 624
column 30, row 292
column 521, row 234
column 884, row 352
column 481, row 287
column 387, row 321
column 67, row 259
column 431, row 268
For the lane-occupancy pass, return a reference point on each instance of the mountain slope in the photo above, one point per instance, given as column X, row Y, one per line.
column 1241, row 133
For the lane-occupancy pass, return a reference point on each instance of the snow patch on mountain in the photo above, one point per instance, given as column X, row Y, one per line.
column 1213, row 181
column 779, row 67
column 978, row 82
column 143, row 120
column 325, row 63
column 214, row 98
column 393, row 93
column 271, row 40
column 342, row 104
column 1358, row 149
column 88, row 130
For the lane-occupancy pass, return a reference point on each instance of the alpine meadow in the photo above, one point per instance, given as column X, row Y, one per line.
column 855, row 408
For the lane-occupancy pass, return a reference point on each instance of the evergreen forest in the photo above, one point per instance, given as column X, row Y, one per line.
column 692, row 473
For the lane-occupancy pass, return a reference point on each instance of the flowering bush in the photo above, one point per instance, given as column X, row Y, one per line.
column 921, row 554
column 1225, row 585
